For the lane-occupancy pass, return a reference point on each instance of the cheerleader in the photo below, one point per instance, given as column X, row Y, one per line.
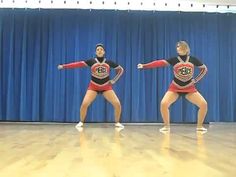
column 183, row 83
column 100, row 83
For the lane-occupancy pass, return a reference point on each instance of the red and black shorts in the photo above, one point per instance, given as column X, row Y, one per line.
column 182, row 90
column 99, row 88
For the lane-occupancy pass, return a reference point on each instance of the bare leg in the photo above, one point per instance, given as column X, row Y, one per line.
column 197, row 99
column 111, row 97
column 88, row 99
column 168, row 99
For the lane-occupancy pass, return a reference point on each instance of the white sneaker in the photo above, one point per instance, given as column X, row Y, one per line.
column 164, row 129
column 202, row 129
column 79, row 125
column 119, row 125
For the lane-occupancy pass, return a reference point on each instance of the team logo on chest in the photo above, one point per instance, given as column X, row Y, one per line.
column 184, row 71
column 100, row 70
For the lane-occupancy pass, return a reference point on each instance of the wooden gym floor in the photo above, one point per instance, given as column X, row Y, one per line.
column 59, row 150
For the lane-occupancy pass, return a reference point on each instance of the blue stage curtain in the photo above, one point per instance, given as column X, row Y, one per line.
column 34, row 42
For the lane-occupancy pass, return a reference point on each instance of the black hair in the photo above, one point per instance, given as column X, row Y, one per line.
column 100, row 45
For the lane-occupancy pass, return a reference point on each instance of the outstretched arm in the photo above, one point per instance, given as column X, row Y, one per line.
column 153, row 64
column 78, row 64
